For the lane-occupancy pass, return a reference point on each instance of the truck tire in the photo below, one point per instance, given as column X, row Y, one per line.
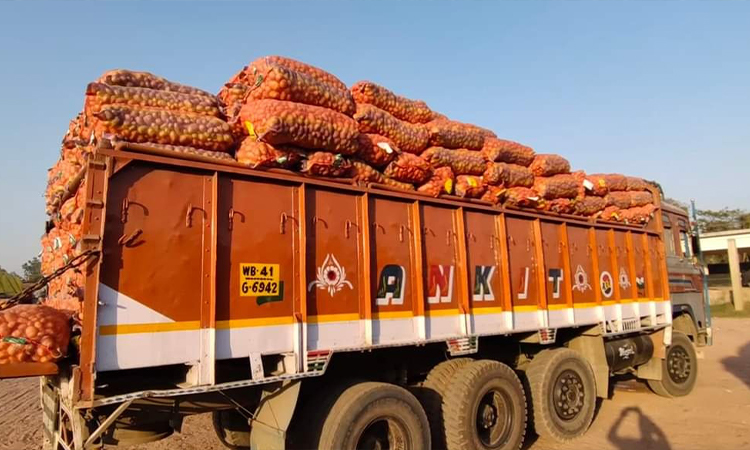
column 563, row 394
column 485, row 408
column 232, row 429
column 431, row 394
column 679, row 369
column 372, row 415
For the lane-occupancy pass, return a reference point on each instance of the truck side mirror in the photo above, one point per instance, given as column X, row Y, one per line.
column 696, row 244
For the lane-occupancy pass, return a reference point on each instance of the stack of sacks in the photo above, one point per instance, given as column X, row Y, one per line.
column 127, row 106
column 393, row 136
column 627, row 198
column 142, row 108
column 292, row 115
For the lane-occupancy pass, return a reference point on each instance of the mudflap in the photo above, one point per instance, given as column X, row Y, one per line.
column 274, row 414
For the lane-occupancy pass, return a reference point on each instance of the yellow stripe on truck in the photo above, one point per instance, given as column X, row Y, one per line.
column 135, row 328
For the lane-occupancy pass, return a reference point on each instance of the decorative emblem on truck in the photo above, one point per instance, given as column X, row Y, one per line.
column 606, row 284
column 624, row 279
column 331, row 276
column 581, row 279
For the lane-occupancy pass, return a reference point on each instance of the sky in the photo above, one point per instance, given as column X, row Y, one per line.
column 658, row 90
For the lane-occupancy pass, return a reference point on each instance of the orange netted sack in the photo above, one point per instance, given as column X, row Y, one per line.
column 452, row 134
column 274, row 81
column 629, row 199
column 493, row 194
column 520, row 197
column 99, row 95
column 589, row 205
column 461, row 161
column 409, row 168
column 365, row 173
column 324, row 164
column 558, row 205
column 412, row 111
column 547, row 165
column 298, row 66
column 470, row 186
column 33, row 333
column 313, row 127
column 398, row 184
column 141, row 125
column 556, row 186
column 611, row 213
column 636, row 184
column 258, row 155
column 121, row 77
column 638, row 214
column 508, row 175
column 608, row 182
column 441, row 182
column 376, row 150
column 408, row 137
column 500, row 150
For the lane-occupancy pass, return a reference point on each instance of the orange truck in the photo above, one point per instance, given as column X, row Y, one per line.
column 314, row 313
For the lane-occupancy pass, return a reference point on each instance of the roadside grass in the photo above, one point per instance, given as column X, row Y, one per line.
column 727, row 310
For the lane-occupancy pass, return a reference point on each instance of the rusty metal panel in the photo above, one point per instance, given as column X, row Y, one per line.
column 606, row 282
column 581, row 264
column 554, row 262
column 624, row 271
column 640, row 276
column 257, row 270
column 333, row 269
column 440, row 258
column 152, row 272
column 483, row 257
column 523, row 264
column 391, row 257
column 658, row 265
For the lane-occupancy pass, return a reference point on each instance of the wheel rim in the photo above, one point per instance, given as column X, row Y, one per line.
column 568, row 395
column 678, row 365
column 494, row 417
column 384, row 433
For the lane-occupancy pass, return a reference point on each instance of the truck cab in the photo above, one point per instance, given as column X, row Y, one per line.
column 687, row 276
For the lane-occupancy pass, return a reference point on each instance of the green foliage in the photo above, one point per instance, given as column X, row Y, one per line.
column 32, row 270
column 723, row 220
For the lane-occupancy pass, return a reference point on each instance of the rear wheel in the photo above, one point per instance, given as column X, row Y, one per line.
column 375, row 416
column 679, row 369
column 432, row 392
column 484, row 408
column 563, row 394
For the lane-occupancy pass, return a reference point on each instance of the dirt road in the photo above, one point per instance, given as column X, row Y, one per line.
column 714, row 417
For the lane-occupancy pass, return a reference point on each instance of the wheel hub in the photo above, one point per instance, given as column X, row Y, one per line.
column 488, row 416
column 568, row 395
column 494, row 418
column 678, row 365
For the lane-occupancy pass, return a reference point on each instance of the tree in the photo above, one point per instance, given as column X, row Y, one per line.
column 32, row 270
column 723, row 220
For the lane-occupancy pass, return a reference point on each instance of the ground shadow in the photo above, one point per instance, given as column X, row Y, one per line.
column 739, row 365
column 652, row 437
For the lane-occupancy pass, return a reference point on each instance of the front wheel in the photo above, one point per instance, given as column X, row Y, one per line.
column 679, row 369
column 375, row 416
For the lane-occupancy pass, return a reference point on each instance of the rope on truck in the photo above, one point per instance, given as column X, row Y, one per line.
column 28, row 292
